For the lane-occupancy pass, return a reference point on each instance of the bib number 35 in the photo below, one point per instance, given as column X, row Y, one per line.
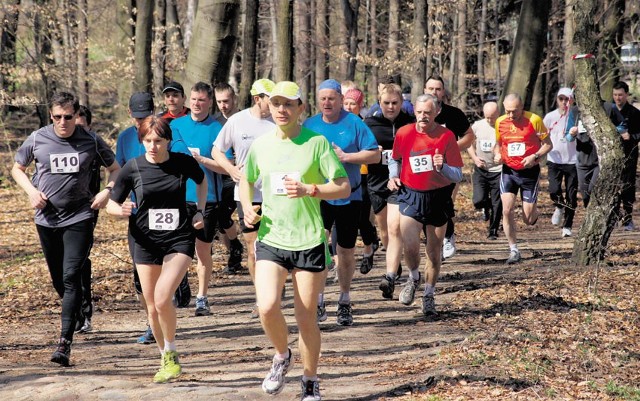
column 164, row 219
column 421, row 164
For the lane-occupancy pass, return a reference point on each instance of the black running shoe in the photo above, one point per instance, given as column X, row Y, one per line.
column 387, row 286
column 62, row 353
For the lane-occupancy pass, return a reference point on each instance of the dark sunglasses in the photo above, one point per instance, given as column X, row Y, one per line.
column 57, row 117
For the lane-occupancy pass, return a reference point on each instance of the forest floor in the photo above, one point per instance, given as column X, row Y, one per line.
column 543, row 329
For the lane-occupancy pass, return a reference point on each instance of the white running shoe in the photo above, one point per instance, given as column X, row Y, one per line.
column 556, row 217
column 449, row 247
column 566, row 232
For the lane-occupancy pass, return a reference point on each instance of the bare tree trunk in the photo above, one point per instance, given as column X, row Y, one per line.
column 372, row 87
column 590, row 244
column 8, row 29
column 42, row 47
column 125, row 32
column 83, row 53
column 159, row 46
column 609, row 52
column 528, row 49
column 249, row 43
column 214, row 40
column 350, row 37
column 420, row 44
column 173, row 40
column 284, row 43
column 482, row 37
column 569, row 75
column 322, row 41
column 192, row 6
column 394, row 28
column 496, row 48
column 302, row 40
column 142, row 56
column 461, row 70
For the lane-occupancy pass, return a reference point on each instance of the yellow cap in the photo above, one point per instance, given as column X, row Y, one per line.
column 262, row 86
column 287, row 89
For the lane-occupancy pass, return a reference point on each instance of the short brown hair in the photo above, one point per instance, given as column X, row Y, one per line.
column 156, row 125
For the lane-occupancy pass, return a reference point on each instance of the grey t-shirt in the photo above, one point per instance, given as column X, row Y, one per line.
column 63, row 172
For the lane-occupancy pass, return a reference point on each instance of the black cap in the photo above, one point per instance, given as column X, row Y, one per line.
column 141, row 105
column 173, row 86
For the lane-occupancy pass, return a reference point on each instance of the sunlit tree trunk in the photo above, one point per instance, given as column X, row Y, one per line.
column 82, row 80
column 612, row 30
column 567, row 66
column 249, row 43
column 590, row 244
column 8, row 28
column 461, row 70
column 124, row 32
column 482, row 36
column 192, row 6
column 159, row 46
column 420, row 45
column 372, row 82
column 302, row 41
column 284, row 43
column 528, row 49
column 393, row 53
column 175, row 54
column 213, row 42
column 322, row 41
column 142, row 55
column 350, row 13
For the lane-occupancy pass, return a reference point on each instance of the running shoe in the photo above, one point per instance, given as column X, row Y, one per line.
column 86, row 326
column 147, row 337
column 367, row 261
column 344, row 314
column 273, row 383
column 170, row 368
column 514, row 257
column 62, row 353
column 628, row 226
column 234, row 263
column 387, row 286
column 322, row 312
column 310, row 390
column 202, row 306
column 556, row 216
column 408, row 293
column 428, row 305
column 449, row 247
column 493, row 235
column 566, row 232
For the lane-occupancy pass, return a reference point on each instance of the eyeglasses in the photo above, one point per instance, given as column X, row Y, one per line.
column 57, row 117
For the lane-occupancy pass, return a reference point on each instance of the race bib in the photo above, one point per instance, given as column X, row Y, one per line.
column 386, row 155
column 421, row 164
column 486, row 146
column 277, row 181
column 64, row 163
column 194, row 151
column 515, row 149
column 164, row 219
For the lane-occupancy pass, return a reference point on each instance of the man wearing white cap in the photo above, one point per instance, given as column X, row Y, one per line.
column 238, row 134
column 297, row 168
column 354, row 143
column 561, row 162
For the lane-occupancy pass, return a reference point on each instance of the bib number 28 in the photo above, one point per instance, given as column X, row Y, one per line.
column 164, row 219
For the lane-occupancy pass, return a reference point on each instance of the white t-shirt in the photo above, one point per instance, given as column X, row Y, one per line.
column 485, row 141
column 239, row 133
column 563, row 152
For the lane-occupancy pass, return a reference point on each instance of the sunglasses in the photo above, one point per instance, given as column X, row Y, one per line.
column 57, row 117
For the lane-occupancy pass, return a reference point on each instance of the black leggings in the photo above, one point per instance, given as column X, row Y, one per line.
column 65, row 250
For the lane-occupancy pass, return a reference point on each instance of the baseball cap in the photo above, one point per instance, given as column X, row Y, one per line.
column 262, row 86
column 354, row 94
column 173, row 86
column 565, row 92
column 331, row 84
column 141, row 105
column 287, row 89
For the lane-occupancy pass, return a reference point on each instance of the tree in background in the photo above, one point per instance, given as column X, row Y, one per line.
column 143, row 79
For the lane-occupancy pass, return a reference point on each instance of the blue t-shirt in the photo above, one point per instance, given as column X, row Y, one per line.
column 129, row 147
column 199, row 136
column 351, row 135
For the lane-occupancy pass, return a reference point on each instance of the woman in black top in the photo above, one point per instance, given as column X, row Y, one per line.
column 163, row 232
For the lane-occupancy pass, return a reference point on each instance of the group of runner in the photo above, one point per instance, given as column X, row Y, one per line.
column 292, row 185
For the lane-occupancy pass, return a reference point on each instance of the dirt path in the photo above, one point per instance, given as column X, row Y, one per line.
column 226, row 355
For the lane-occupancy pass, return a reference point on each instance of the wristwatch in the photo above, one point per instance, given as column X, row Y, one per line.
column 537, row 156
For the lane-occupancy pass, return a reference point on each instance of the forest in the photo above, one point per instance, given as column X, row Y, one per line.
column 103, row 51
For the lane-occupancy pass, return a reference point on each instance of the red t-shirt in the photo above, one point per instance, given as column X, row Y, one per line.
column 416, row 151
column 168, row 117
column 519, row 139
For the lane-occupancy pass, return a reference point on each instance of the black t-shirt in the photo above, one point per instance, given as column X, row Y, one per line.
column 160, row 191
column 629, row 118
column 453, row 119
column 385, row 132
